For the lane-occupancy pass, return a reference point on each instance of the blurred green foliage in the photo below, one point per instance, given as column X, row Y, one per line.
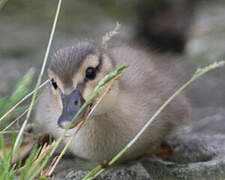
column 20, row 92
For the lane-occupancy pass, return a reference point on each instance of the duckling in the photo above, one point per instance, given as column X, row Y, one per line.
column 76, row 70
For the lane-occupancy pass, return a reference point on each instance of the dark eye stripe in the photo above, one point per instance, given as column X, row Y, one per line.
column 54, row 84
column 98, row 67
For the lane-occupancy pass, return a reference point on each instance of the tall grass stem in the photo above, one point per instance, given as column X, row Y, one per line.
column 19, row 137
column 22, row 100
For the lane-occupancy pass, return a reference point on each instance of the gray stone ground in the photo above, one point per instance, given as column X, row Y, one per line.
column 199, row 148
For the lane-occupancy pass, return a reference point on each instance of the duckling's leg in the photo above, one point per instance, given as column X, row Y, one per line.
column 163, row 151
column 105, row 164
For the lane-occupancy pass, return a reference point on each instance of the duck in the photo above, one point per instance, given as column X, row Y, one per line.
column 143, row 87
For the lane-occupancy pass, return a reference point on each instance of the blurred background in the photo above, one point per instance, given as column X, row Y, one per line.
column 190, row 32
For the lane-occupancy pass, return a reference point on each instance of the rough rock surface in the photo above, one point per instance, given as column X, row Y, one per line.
column 134, row 172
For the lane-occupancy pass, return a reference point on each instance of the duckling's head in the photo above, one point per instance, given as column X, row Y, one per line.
column 75, row 71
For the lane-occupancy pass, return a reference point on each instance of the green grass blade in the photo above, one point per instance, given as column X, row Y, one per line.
column 29, row 162
column 22, row 100
column 2, row 3
column 3, row 147
column 20, row 135
column 18, row 94
column 22, row 85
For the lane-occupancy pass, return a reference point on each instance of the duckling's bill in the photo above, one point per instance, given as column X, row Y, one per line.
column 71, row 104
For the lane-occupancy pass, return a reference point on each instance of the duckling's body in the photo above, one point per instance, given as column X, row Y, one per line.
column 135, row 97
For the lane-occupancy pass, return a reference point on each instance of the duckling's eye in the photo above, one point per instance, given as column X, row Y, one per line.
column 54, row 84
column 90, row 73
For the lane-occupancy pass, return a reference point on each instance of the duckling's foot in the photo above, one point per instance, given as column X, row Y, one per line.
column 44, row 138
column 163, row 151
column 105, row 164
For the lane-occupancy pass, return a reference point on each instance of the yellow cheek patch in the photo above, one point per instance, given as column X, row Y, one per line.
column 57, row 100
column 91, row 84
column 108, row 67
